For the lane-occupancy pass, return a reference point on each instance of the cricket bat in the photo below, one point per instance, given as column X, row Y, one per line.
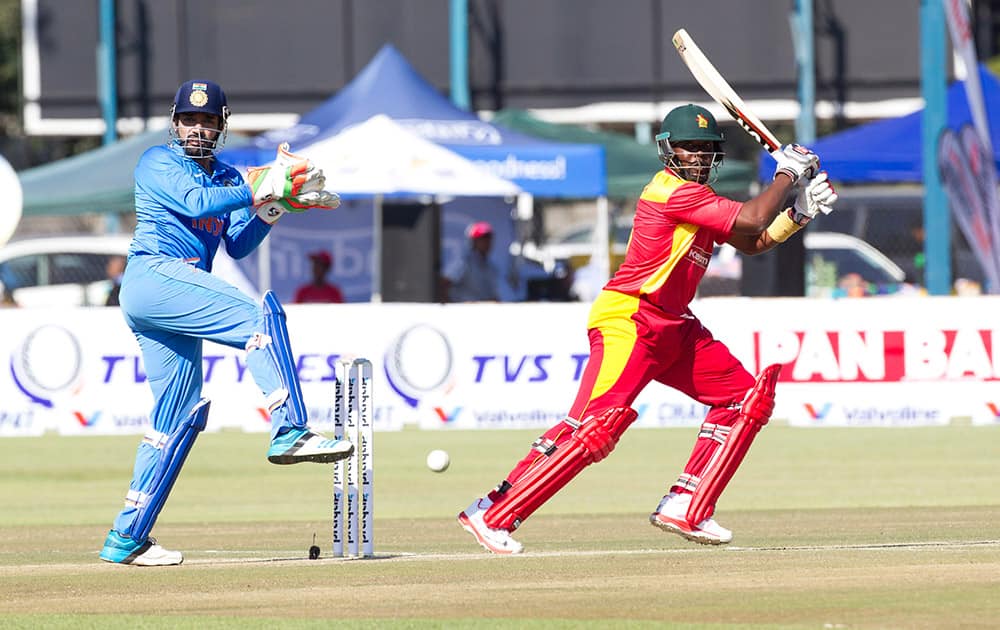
column 717, row 87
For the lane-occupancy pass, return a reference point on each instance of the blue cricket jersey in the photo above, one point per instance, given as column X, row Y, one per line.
column 183, row 212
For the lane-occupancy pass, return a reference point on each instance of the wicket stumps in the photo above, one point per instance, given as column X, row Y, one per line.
column 353, row 496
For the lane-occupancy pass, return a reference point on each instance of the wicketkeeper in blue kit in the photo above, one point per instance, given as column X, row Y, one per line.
column 186, row 202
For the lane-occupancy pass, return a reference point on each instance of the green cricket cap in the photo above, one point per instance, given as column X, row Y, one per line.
column 690, row 122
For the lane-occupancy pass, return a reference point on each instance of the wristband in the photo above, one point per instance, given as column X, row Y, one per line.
column 270, row 211
column 782, row 227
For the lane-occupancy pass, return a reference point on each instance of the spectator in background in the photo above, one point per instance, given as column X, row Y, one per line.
column 115, row 269
column 8, row 282
column 319, row 290
column 473, row 277
column 7, row 297
column 853, row 285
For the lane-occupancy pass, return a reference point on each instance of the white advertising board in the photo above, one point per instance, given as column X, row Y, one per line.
column 868, row 362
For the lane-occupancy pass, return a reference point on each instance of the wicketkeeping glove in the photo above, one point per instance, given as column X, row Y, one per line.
column 817, row 196
column 270, row 211
column 311, row 194
column 290, row 175
column 797, row 162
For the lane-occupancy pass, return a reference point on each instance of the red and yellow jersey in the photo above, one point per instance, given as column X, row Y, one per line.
column 677, row 225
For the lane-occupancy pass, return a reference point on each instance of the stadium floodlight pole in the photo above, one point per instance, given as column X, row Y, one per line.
column 937, row 226
column 805, row 55
column 458, row 27
column 107, row 79
column 107, row 87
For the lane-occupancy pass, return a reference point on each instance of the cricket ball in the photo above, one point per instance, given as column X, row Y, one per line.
column 438, row 460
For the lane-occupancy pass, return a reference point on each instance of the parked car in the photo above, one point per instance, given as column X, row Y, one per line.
column 577, row 241
column 843, row 265
column 73, row 270
column 830, row 256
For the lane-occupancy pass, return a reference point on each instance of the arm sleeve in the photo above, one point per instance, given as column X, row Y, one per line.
column 245, row 233
column 699, row 205
column 455, row 270
column 177, row 189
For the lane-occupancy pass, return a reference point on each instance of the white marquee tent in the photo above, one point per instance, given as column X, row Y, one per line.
column 380, row 158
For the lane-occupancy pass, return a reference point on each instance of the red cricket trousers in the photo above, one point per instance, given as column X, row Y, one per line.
column 632, row 342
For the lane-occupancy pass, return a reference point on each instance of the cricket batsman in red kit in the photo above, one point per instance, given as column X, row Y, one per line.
column 641, row 329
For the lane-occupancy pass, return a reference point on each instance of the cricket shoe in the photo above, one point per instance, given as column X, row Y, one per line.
column 302, row 445
column 123, row 550
column 671, row 516
column 497, row 541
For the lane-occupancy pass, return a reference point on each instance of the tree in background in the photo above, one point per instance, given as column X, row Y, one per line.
column 10, row 66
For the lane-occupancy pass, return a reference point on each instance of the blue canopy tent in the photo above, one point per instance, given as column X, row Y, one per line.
column 890, row 151
column 390, row 85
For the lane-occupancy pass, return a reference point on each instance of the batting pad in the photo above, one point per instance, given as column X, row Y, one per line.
column 281, row 352
column 173, row 451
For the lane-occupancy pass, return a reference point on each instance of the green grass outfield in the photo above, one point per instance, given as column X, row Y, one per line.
column 834, row 528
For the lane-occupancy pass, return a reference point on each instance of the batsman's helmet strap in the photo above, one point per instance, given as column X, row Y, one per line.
column 690, row 122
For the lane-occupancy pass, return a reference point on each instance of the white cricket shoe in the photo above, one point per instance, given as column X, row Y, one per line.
column 671, row 516
column 497, row 541
column 123, row 550
column 157, row 556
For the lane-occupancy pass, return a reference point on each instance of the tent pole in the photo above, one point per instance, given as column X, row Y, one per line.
column 377, row 249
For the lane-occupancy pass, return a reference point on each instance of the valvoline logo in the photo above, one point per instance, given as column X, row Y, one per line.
column 819, row 413
column 87, row 421
column 447, row 417
column 994, row 410
column 264, row 414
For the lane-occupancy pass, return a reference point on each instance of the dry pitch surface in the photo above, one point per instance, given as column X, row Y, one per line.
column 861, row 528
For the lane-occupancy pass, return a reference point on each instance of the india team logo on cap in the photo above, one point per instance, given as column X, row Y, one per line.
column 199, row 94
column 702, row 121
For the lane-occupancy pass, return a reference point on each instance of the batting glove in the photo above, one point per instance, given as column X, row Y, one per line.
column 816, row 197
column 797, row 162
